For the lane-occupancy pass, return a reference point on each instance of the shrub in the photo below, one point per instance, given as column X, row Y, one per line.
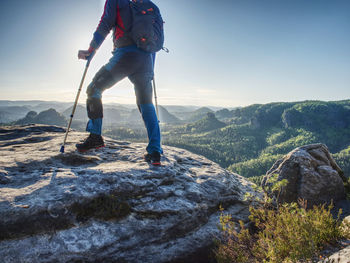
column 289, row 233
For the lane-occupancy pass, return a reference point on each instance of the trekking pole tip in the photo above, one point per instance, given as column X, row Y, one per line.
column 62, row 149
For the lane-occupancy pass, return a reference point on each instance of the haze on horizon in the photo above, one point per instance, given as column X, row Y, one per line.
column 234, row 53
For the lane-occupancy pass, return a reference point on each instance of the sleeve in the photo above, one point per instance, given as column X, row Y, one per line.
column 107, row 22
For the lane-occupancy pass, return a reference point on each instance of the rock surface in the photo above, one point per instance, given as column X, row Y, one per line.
column 312, row 174
column 342, row 256
column 108, row 205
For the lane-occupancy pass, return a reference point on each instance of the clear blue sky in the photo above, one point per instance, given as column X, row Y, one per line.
column 223, row 53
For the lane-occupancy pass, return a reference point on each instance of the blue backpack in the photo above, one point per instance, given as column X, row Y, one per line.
column 147, row 26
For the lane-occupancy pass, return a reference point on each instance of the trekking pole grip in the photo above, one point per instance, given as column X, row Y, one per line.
column 89, row 58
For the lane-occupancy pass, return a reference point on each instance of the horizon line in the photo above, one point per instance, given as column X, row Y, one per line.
column 184, row 105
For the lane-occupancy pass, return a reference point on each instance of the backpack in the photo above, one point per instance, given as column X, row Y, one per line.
column 147, row 26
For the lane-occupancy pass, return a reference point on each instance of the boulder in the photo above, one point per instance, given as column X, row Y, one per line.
column 310, row 173
column 109, row 205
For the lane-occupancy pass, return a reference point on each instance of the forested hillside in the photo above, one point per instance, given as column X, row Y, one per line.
column 257, row 135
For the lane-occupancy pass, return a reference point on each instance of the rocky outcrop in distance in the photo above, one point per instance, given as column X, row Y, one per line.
column 50, row 117
column 208, row 123
column 108, row 205
column 317, row 115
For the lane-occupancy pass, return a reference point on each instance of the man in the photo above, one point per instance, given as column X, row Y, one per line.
column 127, row 61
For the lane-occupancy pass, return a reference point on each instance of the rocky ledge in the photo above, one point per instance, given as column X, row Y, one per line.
column 108, row 205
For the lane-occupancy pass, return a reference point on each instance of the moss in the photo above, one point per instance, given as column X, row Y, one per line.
column 105, row 207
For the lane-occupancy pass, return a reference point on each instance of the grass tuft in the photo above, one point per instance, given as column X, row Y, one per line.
column 289, row 233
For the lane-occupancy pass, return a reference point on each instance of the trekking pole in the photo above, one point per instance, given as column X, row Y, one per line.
column 76, row 101
column 155, row 97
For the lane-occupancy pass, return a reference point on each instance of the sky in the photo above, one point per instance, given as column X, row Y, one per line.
column 223, row 53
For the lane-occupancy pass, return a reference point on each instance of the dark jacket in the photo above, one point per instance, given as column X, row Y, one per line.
column 117, row 17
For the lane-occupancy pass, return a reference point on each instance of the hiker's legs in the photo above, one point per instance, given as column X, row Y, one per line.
column 143, row 91
column 138, row 65
column 123, row 63
column 102, row 81
column 150, row 119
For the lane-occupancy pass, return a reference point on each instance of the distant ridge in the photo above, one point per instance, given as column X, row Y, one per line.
column 208, row 123
column 167, row 117
column 199, row 114
column 50, row 117
column 12, row 113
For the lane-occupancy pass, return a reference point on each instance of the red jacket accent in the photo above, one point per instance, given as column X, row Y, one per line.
column 116, row 14
column 119, row 32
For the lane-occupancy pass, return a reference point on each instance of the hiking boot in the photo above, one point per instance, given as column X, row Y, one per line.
column 153, row 158
column 94, row 141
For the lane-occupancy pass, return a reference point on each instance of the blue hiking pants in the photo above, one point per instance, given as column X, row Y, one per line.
column 137, row 65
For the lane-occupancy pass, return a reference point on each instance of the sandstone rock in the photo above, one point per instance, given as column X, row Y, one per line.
column 347, row 219
column 342, row 256
column 109, row 205
column 312, row 174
